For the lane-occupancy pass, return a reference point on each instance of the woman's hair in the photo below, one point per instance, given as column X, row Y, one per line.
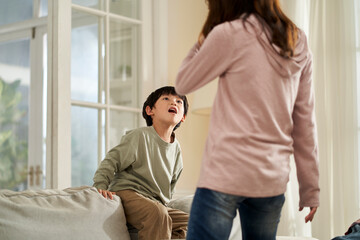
column 283, row 31
column 154, row 96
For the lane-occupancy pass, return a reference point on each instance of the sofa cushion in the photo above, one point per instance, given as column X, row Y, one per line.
column 183, row 203
column 73, row 213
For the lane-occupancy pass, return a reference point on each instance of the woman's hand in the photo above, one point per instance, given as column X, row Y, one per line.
column 106, row 193
column 311, row 215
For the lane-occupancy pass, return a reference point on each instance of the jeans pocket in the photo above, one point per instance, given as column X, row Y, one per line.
column 224, row 199
column 277, row 201
column 269, row 203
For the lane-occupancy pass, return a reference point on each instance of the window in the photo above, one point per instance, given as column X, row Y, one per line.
column 105, row 80
column 108, row 46
column 22, row 80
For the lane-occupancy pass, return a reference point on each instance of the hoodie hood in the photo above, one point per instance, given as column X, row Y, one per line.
column 284, row 66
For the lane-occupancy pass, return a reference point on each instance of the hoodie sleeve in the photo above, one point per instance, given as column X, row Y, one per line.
column 305, row 139
column 204, row 64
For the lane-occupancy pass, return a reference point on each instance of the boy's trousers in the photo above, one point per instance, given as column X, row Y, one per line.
column 153, row 220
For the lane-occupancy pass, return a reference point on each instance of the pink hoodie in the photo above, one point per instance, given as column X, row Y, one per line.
column 263, row 112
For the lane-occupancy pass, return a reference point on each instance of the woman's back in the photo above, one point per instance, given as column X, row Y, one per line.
column 258, row 111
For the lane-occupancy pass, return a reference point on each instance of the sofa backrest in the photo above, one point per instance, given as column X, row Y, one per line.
column 74, row 213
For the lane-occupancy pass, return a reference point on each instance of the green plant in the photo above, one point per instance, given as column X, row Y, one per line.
column 13, row 151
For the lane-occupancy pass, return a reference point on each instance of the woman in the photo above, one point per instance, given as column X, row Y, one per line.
column 263, row 113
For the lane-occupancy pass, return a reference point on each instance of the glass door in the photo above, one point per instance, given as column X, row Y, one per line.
column 22, row 97
column 22, row 148
column 14, row 112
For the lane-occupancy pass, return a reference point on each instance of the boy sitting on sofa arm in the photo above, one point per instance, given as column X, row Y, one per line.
column 144, row 168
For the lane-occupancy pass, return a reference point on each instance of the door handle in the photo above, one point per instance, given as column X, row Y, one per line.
column 31, row 176
column 38, row 174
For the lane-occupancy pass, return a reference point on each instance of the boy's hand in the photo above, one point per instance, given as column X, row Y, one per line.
column 106, row 193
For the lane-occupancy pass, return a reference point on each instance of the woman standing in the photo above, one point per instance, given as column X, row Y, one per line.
column 263, row 112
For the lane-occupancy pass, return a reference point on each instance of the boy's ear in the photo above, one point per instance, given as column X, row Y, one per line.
column 183, row 118
column 149, row 111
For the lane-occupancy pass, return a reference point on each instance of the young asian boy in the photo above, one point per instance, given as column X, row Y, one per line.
column 144, row 168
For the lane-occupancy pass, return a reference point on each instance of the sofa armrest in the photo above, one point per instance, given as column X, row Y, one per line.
column 74, row 213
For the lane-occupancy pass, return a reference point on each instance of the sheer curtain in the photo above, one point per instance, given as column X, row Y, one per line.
column 331, row 32
column 292, row 221
column 332, row 39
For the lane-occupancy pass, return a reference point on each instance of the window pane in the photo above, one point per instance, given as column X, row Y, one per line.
column 123, row 64
column 98, row 4
column 84, row 144
column 15, row 54
column 85, row 58
column 43, row 8
column 15, row 11
column 120, row 123
column 14, row 113
column 128, row 8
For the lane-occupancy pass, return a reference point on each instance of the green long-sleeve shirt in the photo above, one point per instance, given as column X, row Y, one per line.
column 142, row 162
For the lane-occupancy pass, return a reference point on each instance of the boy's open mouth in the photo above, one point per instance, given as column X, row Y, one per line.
column 172, row 110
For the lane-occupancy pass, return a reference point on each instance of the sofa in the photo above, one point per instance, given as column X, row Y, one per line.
column 75, row 213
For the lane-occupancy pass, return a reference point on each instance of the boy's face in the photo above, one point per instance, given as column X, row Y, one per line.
column 168, row 109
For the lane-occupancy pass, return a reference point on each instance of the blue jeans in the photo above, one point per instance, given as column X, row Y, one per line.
column 212, row 215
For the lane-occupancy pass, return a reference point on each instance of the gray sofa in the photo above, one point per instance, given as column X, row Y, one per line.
column 73, row 213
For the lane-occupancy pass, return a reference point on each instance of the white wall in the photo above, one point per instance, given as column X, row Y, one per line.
column 185, row 20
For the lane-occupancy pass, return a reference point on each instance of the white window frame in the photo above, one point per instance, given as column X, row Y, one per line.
column 36, row 141
column 58, row 154
column 106, row 106
column 153, row 75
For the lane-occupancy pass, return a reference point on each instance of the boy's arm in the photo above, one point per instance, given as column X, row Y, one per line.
column 105, row 172
column 173, row 183
column 116, row 160
column 177, row 173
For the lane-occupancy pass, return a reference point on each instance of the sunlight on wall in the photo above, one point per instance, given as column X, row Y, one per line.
column 186, row 18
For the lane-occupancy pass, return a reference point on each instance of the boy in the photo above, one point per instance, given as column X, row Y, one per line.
column 144, row 168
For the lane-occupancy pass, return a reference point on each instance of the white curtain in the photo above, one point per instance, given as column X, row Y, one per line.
column 332, row 39
column 330, row 25
column 292, row 221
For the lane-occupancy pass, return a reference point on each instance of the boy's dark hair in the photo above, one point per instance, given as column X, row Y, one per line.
column 154, row 96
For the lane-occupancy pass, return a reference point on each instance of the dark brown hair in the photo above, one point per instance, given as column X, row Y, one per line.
column 283, row 31
column 154, row 96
